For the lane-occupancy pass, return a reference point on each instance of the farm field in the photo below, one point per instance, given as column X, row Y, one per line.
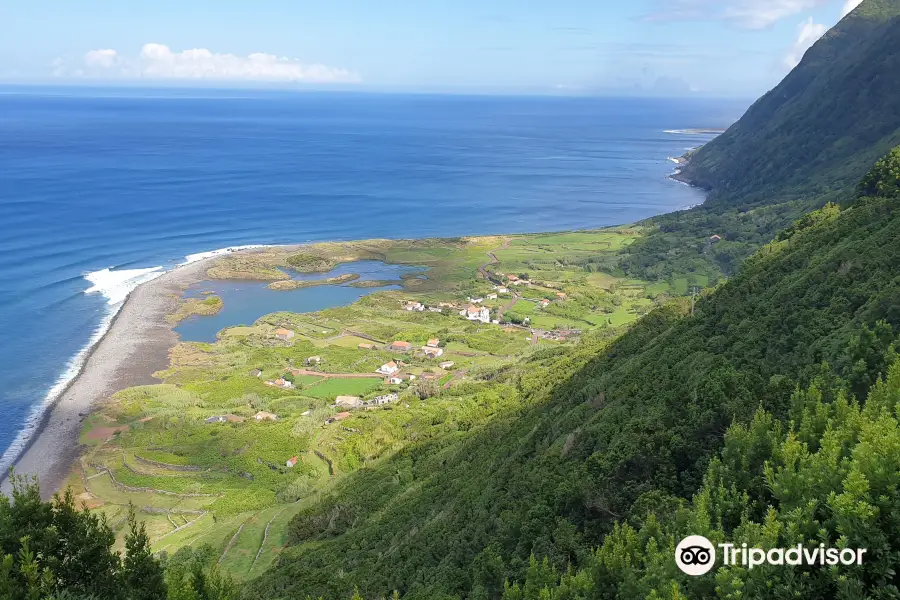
column 207, row 455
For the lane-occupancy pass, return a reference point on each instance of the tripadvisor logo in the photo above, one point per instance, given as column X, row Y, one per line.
column 696, row 555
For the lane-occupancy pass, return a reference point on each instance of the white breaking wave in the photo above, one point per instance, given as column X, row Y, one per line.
column 115, row 286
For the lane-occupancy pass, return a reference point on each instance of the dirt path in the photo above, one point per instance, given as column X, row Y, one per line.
column 483, row 270
column 494, row 260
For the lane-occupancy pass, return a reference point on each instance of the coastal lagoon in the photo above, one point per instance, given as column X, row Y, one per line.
column 245, row 302
column 104, row 188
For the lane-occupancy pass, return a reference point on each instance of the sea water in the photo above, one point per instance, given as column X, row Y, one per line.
column 103, row 189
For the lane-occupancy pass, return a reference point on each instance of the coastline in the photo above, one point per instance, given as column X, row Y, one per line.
column 135, row 346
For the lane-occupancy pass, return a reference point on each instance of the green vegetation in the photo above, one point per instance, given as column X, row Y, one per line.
column 226, row 483
column 189, row 307
column 55, row 551
column 560, row 460
column 610, row 433
column 805, row 143
column 294, row 284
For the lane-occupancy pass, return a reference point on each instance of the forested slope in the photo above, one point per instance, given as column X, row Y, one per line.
column 806, row 142
column 611, row 433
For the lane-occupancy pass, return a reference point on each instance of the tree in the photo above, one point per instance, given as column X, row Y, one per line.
column 142, row 573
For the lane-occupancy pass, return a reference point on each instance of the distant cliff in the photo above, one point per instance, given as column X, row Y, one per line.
column 821, row 129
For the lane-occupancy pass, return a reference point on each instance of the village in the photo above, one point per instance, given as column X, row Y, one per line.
column 242, row 430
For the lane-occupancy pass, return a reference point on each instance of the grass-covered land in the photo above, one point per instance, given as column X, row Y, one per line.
column 227, row 483
column 189, row 307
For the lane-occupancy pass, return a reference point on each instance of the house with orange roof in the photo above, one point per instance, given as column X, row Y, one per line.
column 400, row 346
column 388, row 368
column 284, row 334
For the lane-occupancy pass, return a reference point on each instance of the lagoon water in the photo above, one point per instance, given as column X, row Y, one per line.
column 103, row 188
column 246, row 301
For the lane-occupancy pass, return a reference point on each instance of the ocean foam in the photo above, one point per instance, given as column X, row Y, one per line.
column 116, row 285
column 36, row 414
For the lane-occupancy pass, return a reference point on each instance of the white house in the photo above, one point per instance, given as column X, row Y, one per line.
column 446, row 364
column 432, row 352
column 388, row 368
column 415, row 306
column 476, row 313
column 491, row 296
column 395, row 381
column 476, row 300
column 502, row 290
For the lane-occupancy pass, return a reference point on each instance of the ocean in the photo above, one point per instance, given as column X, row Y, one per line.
column 101, row 189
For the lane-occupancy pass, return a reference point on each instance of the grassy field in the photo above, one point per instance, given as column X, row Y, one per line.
column 228, row 484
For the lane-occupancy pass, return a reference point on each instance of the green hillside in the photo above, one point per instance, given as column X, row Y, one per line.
column 612, row 432
column 822, row 127
column 807, row 141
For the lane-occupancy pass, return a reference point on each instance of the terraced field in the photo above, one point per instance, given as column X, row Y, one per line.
column 228, row 484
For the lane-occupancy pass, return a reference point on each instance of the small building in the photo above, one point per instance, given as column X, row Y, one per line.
column 348, row 402
column 284, row 334
column 446, row 305
column 306, row 413
column 366, row 346
column 491, row 296
column 388, row 368
column 446, row 364
column 544, row 303
column 502, row 290
column 256, row 373
column 434, row 309
column 414, row 306
column 476, row 300
column 385, row 399
column 476, row 313
column 341, row 416
column 715, row 239
column 429, row 376
column 395, row 380
column 265, row 416
column 400, row 346
column 512, row 277
column 411, row 377
column 291, row 462
column 433, row 343
column 432, row 352
column 313, row 360
column 561, row 295
column 217, row 419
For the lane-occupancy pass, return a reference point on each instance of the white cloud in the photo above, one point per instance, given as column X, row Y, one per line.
column 158, row 61
column 808, row 33
column 747, row 14
column 849, row 7
column 101, row 58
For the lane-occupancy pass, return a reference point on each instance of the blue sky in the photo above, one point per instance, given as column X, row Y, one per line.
column 662, row 47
